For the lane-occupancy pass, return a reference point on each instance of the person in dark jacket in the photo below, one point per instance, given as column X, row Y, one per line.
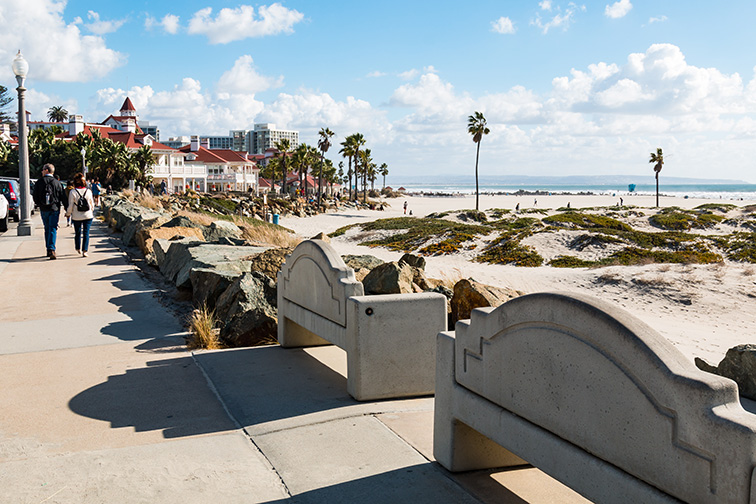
column 50, row 196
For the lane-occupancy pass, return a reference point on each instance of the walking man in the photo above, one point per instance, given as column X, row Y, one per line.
column 50, row 196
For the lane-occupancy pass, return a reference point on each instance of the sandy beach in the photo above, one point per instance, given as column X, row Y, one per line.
column 703, row 310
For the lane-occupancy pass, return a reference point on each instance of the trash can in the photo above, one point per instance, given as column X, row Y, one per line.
column 275, row 218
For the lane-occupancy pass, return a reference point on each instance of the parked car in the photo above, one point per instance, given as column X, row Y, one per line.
column 4, row 214
column 10, row 189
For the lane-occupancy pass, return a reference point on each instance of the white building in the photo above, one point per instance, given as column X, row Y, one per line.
column 227, row 170
column 266, row 135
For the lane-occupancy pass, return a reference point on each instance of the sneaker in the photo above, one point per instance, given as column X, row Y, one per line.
column 85, row 253
column 49, row 252
column 52, row 254
column 78, row 251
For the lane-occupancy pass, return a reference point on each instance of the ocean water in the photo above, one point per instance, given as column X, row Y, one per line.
column 708, row 191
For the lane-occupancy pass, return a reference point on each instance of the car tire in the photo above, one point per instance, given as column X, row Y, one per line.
column 4, row 224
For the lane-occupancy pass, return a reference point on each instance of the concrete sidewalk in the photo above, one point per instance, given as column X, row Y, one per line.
column 101, row 402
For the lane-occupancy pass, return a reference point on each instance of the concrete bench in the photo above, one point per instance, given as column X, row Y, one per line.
column 389, row 339
column 593, row 397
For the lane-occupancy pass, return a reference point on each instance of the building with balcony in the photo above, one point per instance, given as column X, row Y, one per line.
column 266, row 135
column 227, row 170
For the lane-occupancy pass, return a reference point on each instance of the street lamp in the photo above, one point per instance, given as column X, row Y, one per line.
column 21, row 68
column 84, row 161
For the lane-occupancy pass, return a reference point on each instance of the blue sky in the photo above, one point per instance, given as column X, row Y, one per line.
column 578, row 88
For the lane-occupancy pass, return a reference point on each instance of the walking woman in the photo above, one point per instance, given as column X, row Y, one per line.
column 81, row 210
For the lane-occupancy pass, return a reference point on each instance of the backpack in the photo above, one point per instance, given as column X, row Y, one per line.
column 82, row 205
column 49, row 193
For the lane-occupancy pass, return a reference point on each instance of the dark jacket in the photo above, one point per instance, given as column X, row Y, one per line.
column 59, row 199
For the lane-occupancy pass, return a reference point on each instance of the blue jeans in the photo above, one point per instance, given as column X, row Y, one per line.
column 50, row 221
column 78, row 238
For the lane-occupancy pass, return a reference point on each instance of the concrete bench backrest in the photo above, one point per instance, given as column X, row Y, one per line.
column 316, row 278
column 604, row 381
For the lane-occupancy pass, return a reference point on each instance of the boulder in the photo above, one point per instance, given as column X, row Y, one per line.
column 182, row 221
column 739, row 365
column 208, row 284
column 469, row 294
column 322, row 236
column 414, row 261
column 146, row 237
column 361, row 273
column 357, row 262
column 269, row 262
column 147, row 220
column 221, row 229
column 389, row 278
column 123, row 212
column 248, row 306
column 182, row 257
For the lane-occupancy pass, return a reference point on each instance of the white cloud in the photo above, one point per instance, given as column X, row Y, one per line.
column 545, row 5
column 241, row 23
column 56, row 51
column 562, row 19
column 618, row 9
column 409, row 74
column 376, row 73
column 101, row 27
column 503, row 25
column 244, row 79
column 657, row 19
column 170, row 23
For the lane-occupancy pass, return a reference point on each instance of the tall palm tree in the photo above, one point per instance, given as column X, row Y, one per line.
column 383, row 170
column 367, row 161
column 658, row 158
column 283, row 147
column 358, row 140
column 324, row 143
column 476, row 126
column 57, row 114
column 349, row 151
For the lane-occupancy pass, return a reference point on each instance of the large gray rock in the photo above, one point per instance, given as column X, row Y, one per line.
column 182, row 257
column 123, row 212
column 248, row 306
column 182, row 221
column 389, row 278
column 414, row 261
column 221, row 229
column 358, row 262
column 147, row 219
column 469, row 294
column 208, row 284
column 739, row 365
column 270, row 261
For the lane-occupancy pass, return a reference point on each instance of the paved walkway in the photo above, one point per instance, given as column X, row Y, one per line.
column 100, row 402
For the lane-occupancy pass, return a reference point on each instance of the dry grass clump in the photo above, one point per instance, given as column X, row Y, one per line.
column 269, row 235
column 148, row 201
column 654, row 281
column 202, row 324
column 199, row 218
column 748, row 271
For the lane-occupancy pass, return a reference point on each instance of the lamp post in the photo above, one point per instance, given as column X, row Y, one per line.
column 84, row 161
column 20, row 69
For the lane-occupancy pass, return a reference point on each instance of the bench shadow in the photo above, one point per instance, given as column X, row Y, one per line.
column 417, row 483
column 170, row 395
column 264, row 384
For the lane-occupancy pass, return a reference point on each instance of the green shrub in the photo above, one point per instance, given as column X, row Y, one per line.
column 506, row 250
column 570, row 262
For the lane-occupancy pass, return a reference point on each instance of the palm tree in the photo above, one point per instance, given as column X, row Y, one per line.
column 349, row 151
column 658, row 158
column 365, row 157
column 383, row 170
column 324, row 143
column 476, row 126
column 358, row 140
column 283, row 147
column 57, row 114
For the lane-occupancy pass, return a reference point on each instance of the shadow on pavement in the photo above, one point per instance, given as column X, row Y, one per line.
column 418, row 483
column 169, row 395
column 263, row 384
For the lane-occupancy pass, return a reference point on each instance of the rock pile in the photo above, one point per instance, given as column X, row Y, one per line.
column 237, row 280
column 739, row 365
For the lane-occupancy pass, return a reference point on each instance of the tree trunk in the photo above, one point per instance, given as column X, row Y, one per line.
column 657, row 189
column 477, row 189
column 320, row 181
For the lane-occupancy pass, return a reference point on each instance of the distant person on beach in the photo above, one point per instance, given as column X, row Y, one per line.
column 81, row 214
column 568, row 205
column 621, row 202
column 163, row 188
column 535, row 202
column 50, row 197
column 405, row 208
column 517, row 208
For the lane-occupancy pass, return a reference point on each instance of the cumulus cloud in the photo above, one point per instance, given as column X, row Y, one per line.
column 243, row 78
column 102, row 27
column 242, row 22
column 657, row 19
column 545, row 5
column 618, row 9
column 169, row 23
column 409, row 74
column 56, row 50
column 503, row 25
column 375, row 73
